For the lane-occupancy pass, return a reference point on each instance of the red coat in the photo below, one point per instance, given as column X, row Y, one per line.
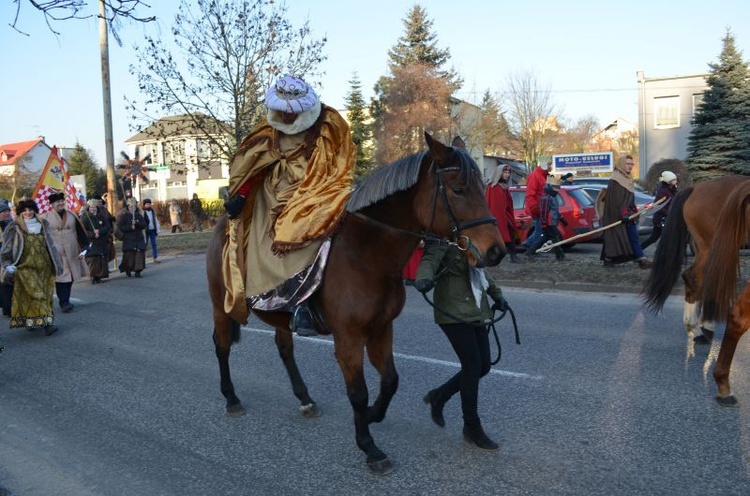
column 534, row 190
column 501, row 207
column 410, row 270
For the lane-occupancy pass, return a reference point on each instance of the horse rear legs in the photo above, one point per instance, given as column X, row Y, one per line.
column 737, row 324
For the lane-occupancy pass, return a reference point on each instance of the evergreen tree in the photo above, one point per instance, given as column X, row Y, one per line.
column 361, row 129
column 80, row 162
column 415, row 55
column 496, row 138
column 719, row 142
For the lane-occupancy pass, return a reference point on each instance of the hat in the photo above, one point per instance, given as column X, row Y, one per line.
column 24, row 204
column 668, row 176
column 290, row 94
column 147, row 201
column 4, row 207
column 567, row 176
column 56, row 197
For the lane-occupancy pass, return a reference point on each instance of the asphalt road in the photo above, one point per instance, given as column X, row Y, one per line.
column 600, row 398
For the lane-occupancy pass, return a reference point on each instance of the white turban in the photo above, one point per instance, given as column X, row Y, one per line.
column 292, row 95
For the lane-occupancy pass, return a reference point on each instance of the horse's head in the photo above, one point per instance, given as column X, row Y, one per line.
column 452, row 204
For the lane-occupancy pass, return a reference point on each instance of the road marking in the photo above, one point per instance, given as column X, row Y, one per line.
column 433, row 361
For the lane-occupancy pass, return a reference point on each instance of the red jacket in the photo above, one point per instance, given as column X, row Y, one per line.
column 534, row 190
column 500, row 202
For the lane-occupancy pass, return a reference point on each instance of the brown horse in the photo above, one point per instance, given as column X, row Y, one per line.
column 715, row 213
column 437, row 193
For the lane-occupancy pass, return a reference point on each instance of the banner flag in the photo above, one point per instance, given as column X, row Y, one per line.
column 55, row 179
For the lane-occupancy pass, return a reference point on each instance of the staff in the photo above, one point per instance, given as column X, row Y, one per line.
column 547, row 247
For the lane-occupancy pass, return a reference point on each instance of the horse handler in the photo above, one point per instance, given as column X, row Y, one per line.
column 461, row 310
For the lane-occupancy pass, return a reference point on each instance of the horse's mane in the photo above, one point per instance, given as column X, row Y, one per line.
column 385, row 181
column 400, row 176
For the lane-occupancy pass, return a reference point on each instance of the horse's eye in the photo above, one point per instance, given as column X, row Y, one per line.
column 458, row 191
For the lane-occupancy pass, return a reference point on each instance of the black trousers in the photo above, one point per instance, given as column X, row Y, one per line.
column 63, row 291
column 655, row 235
column 472, row 346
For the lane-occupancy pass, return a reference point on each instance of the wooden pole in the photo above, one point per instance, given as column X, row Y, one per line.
column 546, row 248
column 107, row 102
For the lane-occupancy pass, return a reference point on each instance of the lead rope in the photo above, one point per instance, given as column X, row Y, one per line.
column 489, row 325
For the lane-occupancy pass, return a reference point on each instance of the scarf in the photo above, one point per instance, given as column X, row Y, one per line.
column 479, row 284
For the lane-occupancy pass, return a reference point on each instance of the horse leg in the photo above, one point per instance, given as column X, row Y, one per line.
column 350, row 357
column 737, row 324
column 226, row 332
column 380, row 352
column 701, row 332
column 285, row 345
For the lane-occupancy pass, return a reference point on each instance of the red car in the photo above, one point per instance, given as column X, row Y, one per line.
column 575, row 205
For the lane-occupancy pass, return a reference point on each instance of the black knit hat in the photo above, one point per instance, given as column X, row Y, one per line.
column 56, row 197
column 24, row 204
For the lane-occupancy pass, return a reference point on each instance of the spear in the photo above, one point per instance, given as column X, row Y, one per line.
column 547, row 247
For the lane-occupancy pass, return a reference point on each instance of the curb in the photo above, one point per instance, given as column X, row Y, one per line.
column 581, row 287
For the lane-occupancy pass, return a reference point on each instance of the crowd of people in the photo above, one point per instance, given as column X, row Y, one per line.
column 42, row 255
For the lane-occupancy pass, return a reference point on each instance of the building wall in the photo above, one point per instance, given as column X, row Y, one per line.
column 666, row 107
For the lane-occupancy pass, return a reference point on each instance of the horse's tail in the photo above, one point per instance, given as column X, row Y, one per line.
column 670, row 253
column 719, row 288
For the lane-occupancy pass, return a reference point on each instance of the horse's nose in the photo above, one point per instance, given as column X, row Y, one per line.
column 494, row 256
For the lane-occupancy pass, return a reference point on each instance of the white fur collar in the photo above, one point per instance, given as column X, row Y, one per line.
column 303, row 122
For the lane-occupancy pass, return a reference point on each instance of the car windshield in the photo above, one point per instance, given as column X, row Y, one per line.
column 580, row 196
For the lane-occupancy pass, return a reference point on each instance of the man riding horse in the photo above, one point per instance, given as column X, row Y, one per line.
column 289, row 183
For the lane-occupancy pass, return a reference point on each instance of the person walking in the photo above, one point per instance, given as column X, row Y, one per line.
column 6, row 290
column 666, row 189
column 620, row 243
column 196, row 208
column 500, row 202
column 175, row 214
column 549, row 215
column 29, row 262
column 70, row 239
column 153, row 229
column 98, row 228
column 461, row 291
column 534, row 191
column 132, row 224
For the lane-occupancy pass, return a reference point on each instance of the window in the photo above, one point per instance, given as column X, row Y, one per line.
column 174, row 152
column 697, row 101
column 666, row 112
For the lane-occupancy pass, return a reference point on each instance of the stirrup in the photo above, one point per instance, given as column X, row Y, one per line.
column 302, row 322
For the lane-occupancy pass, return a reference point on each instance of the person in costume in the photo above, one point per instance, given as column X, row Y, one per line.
column 98, row 228
column 132, row 222
column 289, row 183
column 6, row 290
column 534, row 190
column 70, row 240
column 620, row 243
column 29, row 261
column 666, row 189
column 500, row 202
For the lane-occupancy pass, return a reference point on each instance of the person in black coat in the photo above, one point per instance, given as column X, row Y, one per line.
column 97, row 226
column 132, row 223
column 666, row 189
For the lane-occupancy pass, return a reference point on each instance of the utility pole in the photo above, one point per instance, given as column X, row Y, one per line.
column 107, row 99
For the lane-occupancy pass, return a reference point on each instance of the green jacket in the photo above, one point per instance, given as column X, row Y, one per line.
column 453, row 288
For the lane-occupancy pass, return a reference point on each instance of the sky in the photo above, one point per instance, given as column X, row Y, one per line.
column 586, row 52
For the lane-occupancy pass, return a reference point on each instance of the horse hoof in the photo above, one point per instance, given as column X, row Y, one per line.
column 701, row 340
column 728, row 401
column 310, row 411
column 380, row 467
column 236, row 410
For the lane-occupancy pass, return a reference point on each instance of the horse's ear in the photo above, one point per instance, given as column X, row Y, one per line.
column 438, row 150
column 458, row 142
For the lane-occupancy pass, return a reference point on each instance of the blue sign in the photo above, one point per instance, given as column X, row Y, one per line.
column 594, row 162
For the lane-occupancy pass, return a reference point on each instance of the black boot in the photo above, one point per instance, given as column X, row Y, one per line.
column 436, row 407
column 302, row 322
column 474, row 434
column 49, row 330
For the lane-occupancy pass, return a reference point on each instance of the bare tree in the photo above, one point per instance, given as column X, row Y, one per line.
column 531, row 115
column 419, row 101
column 227, row 53
column 577, row 137
column 61, row 10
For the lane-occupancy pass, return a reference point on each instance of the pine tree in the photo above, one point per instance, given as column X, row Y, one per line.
column 719, row 142
column 360, row 127
column 496, row 138
column 80, row 162
column 415, row 59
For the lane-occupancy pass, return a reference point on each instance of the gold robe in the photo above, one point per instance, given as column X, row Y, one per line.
column 300, row 186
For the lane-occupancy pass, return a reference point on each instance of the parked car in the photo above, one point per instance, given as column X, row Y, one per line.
column 575, row 205
column 601, row 181
column 642, row 200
